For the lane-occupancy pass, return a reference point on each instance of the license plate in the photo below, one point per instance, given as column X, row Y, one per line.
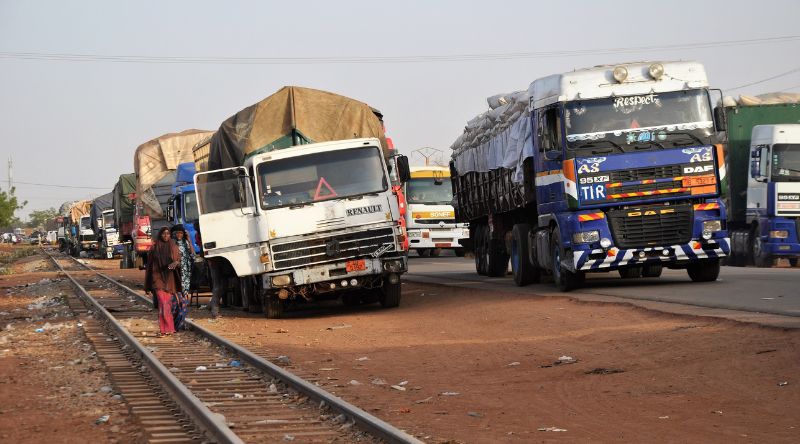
column 697, row 181
column 357, row 265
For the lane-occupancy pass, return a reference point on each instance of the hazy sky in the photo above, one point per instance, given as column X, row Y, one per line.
column 77, row 123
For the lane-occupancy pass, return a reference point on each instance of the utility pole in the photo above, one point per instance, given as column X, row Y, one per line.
column 10, row 172
column 429, row 153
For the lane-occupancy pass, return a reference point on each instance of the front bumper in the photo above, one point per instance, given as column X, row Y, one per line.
column 337, row 271
column 613, row 258
column 436, row 237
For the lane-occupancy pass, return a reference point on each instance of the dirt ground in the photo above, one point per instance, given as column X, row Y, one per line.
column 52, row 387
column 454, row 365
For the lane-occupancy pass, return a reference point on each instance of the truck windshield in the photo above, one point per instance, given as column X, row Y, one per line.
column 321, row 176
column 108, row 220
column 658, row 120
column 190, row 210
column 86, row 223
column 786, row 162
column 429, row 190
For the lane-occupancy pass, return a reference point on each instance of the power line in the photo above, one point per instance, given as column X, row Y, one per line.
column 223, row 60
column 791, row 71
column 17, row 182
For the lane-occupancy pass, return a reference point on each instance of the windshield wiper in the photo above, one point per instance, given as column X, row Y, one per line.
column 593, row 144
column 692, row 136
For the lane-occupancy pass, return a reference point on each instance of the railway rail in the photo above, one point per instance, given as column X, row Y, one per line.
column 197, row 386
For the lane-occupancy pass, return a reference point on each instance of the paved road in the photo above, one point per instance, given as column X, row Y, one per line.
column 774, row 291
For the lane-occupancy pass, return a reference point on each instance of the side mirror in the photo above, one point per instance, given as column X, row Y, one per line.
column 403, row 170
column 171, row 211
column 552, row 155
column 719, row 118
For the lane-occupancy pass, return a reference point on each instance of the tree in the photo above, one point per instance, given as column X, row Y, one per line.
column 38, row 218
column 8, row 206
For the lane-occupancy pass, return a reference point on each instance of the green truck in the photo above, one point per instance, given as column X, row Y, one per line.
column 763, row 162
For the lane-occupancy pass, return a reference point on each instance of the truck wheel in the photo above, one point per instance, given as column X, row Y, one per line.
column 273, row 306
column 435, row 252
column 423, row 252
column 564, row 279
column 759, row 258
column 521, row 267
column 793, row 262
column 705, row 271
column 390, row 294
column 630, row 272
column 652, row 270
column 496, row 258
column 459, row 252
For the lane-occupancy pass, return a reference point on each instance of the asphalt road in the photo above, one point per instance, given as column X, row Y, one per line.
column 774, row 291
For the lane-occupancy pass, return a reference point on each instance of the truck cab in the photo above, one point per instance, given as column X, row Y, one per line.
column 182, row 206
column 110, row 242
column 87, row 240
column 430, row 218
column 310, row 222
column 773, row 197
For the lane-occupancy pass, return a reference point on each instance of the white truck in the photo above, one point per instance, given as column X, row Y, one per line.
column 309, row 222
column 430, row 218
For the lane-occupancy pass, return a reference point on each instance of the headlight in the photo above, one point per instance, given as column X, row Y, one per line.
column 279, row 281
column 605, row 242
column 779, row 234
column 712, row 225
column 413, row 234
column 585, row 237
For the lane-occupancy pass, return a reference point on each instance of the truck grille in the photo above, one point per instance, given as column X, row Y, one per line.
column 651, row 225
column 660, row 172
column 329, row 249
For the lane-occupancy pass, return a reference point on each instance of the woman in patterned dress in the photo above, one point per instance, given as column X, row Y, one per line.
column 180, row 306
column 163, row 280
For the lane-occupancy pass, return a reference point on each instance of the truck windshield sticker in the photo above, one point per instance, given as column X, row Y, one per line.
column 364, row 210
column 630, row 104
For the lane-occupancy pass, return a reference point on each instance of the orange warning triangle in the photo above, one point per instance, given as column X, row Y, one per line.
column 635, row 124
column 318, row 194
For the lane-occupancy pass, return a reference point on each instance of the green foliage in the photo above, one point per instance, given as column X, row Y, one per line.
column 6, row 258
column 8, row 206
column 39, row 217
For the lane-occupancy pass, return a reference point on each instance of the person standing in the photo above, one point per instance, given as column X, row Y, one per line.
column 162, row 278
column 180, row 307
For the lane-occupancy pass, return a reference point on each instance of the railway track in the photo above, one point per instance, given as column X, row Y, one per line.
column 196, row 386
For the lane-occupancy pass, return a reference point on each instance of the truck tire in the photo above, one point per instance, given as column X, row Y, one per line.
column 273, row 306
column 435, row 252
column 390, row 294
column 652, row 270
column 459, row 252
column 564, row 279
column 423, row 252
column 630, row 272
column 496, row 258
column 793, row 262
column 759, row 259
column 521, row 267
column 705, row 271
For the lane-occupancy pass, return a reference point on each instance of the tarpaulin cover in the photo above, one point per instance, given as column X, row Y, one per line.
column 63, row 210
column 122, row 202
column 292, row 116
column 99, row 205
column 80, row 209
column 156, row 197
column 200, row 154
column 155, row 158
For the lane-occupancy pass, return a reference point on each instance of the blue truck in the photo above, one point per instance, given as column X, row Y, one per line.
column 763, row 160
column 606, row 168
column 182, row 205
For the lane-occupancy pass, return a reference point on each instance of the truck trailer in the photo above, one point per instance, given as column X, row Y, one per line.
column 598, row 169
column 295, row 194
column 763, row 159
column 430, row 218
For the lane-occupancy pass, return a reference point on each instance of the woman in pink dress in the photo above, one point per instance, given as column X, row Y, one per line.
column 162, row 278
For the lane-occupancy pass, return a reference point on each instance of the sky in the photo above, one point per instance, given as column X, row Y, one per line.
column 109, row 76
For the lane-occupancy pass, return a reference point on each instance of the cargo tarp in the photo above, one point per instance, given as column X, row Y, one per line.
column 80, row 209
column 99, row 205
column 155, row 158
column 292, row 116
column 200, row 154
column 123, row 192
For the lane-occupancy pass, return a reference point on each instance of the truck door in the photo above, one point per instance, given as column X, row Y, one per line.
column 229, row 222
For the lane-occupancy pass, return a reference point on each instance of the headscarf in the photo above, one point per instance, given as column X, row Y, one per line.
column 186, row 239
column 164, row 252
